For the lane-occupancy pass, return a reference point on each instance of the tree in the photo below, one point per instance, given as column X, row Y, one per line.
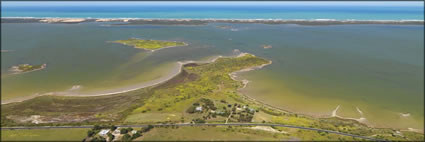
column 113, row 127
column 111, row 137
column 90, row 133
column 98, row 139
column 136, row 135
column 191, row 109
column 96, row 127
column 126, row 137
column 198, row 120
column 124, row 131
column 147, row 128
column 102, row 139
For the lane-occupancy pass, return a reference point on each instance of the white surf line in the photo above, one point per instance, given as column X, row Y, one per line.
column 126, row 19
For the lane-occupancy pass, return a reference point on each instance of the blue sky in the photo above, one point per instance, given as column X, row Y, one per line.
column 322, row 3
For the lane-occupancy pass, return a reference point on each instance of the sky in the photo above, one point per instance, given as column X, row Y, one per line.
column 217, row 3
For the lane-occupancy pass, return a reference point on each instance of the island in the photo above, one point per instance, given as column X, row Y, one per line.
column 150, row 44
column 202, row 99
column 24, row 68
column 267, row 46
column 224, row 27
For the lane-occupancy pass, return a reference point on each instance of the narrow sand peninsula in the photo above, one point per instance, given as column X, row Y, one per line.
column 73, row 91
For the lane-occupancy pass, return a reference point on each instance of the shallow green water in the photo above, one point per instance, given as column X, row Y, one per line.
column 376, row 68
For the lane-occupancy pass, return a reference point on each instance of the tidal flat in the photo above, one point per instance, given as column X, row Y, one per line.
column 315, row 68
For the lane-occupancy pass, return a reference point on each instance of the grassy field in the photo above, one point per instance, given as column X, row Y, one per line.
column 207, row 81
column 150, row 44
column 52, row 110
column 210, row 134
column 44, row 135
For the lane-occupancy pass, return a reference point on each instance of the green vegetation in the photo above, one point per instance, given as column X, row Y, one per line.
column 57, row 110
column 76, row 134
column 150, row 44
column 206, row 133
column 235, row 133
column 207, row 86
column 202, row 86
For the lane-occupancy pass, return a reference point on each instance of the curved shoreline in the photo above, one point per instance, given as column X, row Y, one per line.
column 361, row 120
column 232, row 75
column 151, row 83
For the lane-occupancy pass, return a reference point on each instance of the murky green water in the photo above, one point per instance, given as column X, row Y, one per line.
column 376, row 68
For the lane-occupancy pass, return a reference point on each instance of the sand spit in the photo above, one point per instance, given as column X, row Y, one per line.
column 73, row 91
column 171, row 21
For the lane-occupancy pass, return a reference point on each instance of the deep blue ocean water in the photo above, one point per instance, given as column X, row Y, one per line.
column 278, row 11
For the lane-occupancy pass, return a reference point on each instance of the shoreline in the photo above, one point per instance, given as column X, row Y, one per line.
column 232, row 75
column 204, row 21
column 361, row 120
column 147, row 84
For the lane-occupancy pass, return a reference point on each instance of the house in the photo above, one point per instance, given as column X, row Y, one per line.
column 198, row 108
column 134, row 131
column 103, row 132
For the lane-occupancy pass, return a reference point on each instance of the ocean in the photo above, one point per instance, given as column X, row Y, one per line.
column 279, row 10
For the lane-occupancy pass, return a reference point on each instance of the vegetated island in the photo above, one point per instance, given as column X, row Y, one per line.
column 224, row 27
column 24, row 68
column 200, row 93
column 151, row 45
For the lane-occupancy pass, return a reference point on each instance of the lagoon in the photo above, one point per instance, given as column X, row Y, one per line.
column 375, row 68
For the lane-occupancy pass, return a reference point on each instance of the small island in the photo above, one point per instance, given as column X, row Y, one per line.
column 23, row 68
column 150, row 44
column 224, row 27
column 267, row 46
